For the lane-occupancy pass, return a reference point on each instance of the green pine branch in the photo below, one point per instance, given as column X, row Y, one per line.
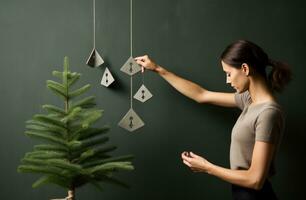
column 73, row 152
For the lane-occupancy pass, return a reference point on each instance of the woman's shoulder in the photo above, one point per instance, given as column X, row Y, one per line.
column 243, row 99
column 272, row 107
column 270, row 111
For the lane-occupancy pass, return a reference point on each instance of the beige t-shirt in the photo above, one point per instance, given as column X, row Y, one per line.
column 258, row 122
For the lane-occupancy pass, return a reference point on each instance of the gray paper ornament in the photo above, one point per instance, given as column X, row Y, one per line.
column 130, row 67
column 107, row 78
column 131, row 121
column 94, row 59
column 143, row 94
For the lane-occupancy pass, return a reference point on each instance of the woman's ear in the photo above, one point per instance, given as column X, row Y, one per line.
column 245, row 69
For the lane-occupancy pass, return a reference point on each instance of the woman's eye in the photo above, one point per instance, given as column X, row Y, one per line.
column 228, row 74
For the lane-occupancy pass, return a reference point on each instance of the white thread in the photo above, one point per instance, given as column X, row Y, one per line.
column 131, row 95
column 131, row 27
column 131, row 50
column 94, row 23
column 143, row 77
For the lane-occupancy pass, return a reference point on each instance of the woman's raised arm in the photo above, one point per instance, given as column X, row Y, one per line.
column 188, row 88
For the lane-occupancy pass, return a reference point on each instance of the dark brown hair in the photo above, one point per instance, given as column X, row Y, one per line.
column 243, row 51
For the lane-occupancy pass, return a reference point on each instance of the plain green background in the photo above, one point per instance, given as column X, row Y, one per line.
column 185, row 36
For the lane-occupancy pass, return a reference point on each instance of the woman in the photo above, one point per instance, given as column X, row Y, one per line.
column 257, row 133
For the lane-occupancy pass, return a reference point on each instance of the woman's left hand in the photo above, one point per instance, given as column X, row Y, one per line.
column 195, row 163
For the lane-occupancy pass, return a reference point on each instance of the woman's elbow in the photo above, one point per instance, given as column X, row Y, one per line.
column 258, row 186
column 257, row 183
column 200, row 100
column 201, row 97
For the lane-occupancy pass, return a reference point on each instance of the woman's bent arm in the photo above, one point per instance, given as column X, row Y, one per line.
column 254, row 177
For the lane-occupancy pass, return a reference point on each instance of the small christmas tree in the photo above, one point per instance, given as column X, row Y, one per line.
column 74, row 153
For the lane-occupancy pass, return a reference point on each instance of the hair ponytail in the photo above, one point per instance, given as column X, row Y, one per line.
column 280, row 75
column 243, row 51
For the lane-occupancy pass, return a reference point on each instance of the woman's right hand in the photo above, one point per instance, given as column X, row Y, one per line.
column 146, row 62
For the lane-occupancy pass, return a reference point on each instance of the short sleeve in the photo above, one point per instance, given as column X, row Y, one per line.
column 242, row 99
column 269, row 126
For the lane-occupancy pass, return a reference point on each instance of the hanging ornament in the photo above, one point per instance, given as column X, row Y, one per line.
column 107, row 78
column 143, row 94
column 131, row 121
column 130, row 67
column 94, row 59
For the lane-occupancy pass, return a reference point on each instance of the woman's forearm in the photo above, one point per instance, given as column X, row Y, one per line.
column 244, row 178
column 182, row 85
column 251, row 178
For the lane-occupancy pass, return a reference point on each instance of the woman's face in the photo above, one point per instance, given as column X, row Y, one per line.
column 238, row 78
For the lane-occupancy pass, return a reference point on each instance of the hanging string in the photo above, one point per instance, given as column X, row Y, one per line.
column 131, row 27
column 94, row 23
column 131, row 95
column 131, row 50
column 142, row 73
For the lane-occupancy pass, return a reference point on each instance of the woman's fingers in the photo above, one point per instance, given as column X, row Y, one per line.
column 146, row 62
column 140, row 62
column 143, row 62
column 184, row 157
column 138, row 59
column 193, row 155
column 141, row 57
column 187, row 163
column 194, row 169
column 183, row 153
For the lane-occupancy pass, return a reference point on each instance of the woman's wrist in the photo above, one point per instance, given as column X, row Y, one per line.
column 210, row 168
column 158, row 69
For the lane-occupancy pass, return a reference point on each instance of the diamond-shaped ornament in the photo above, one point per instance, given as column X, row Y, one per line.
column 143, row 94
column 130, row 67
column 131, row 121
column 107, row 78
column 94, row 59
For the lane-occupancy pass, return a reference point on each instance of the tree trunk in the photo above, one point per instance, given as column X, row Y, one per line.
column 71, row 193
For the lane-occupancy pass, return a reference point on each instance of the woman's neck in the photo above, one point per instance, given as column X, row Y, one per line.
column 260, row 91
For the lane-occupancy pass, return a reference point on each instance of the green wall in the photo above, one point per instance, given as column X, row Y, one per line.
column 186, row 37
